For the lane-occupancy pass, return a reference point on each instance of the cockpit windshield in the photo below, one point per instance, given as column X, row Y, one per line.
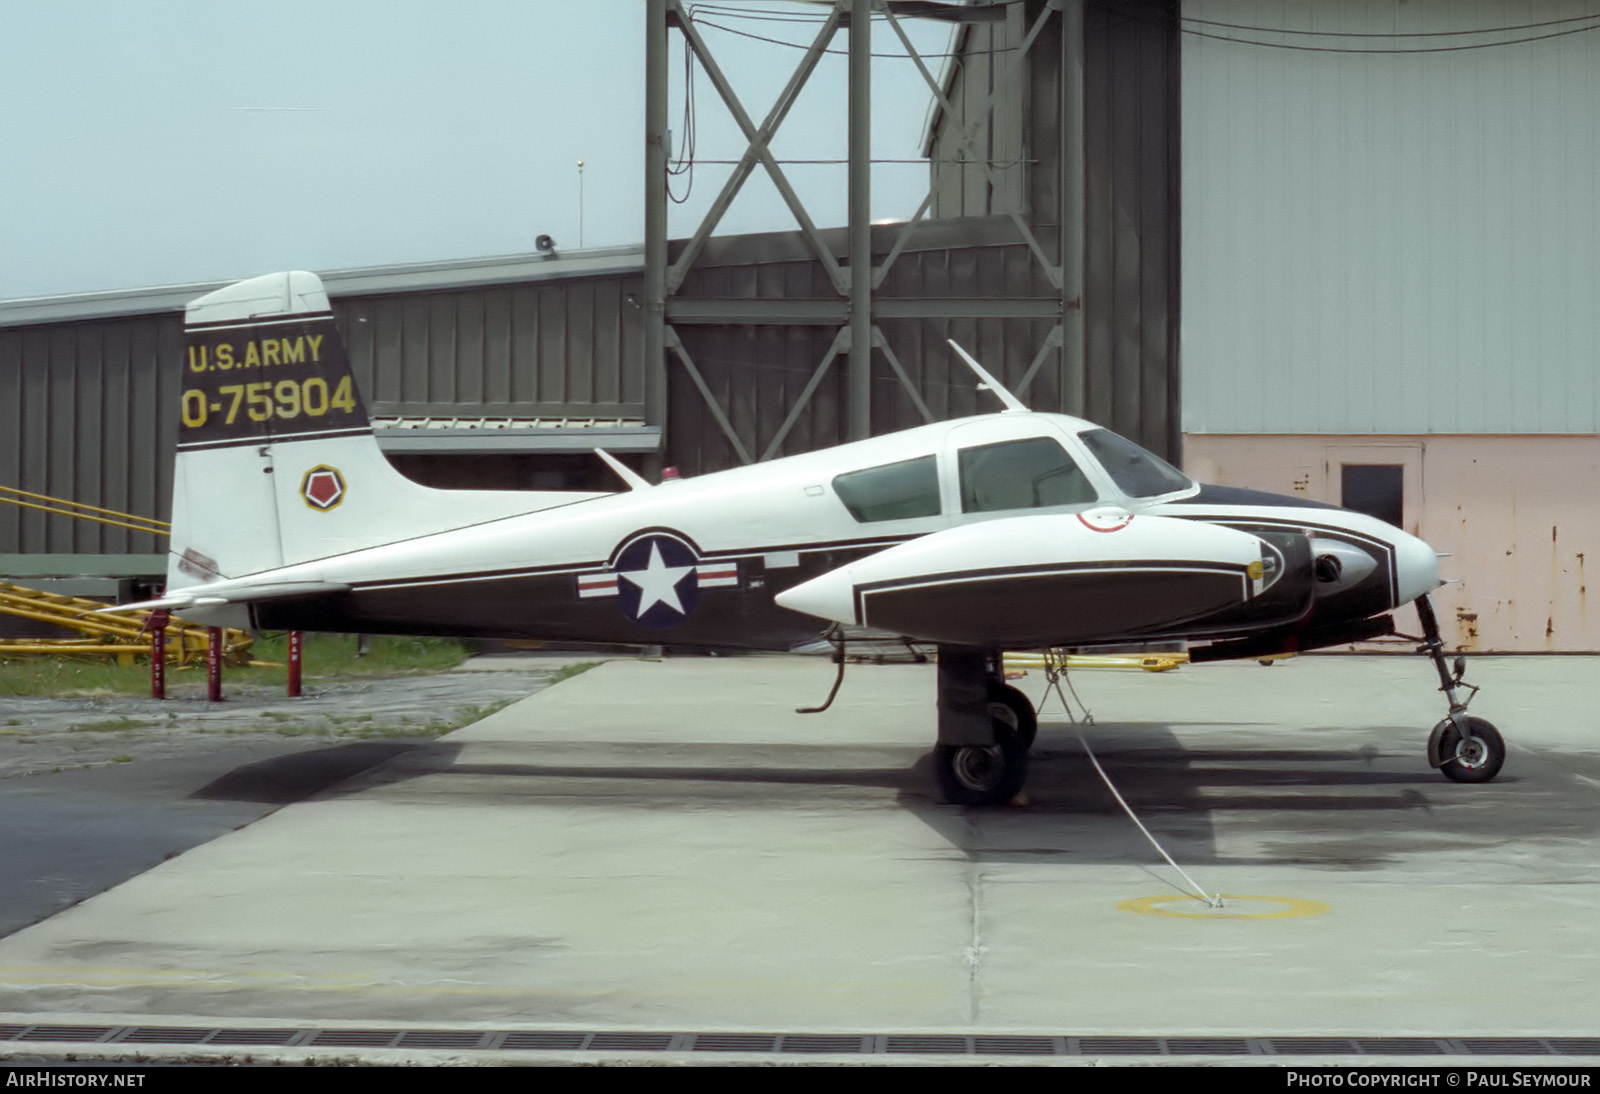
column 1138, row 473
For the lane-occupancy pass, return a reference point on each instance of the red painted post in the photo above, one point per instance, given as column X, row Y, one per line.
column 294, row 664
column 214, row 665
column 158, row 653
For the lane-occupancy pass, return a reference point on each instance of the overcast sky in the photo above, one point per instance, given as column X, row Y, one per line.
column 173, row 141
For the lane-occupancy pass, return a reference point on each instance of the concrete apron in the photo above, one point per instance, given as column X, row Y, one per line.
column 667, row 846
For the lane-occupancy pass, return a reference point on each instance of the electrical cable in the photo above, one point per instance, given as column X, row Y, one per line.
column 685, row 160
column 1379, row 52
column 1392, row 33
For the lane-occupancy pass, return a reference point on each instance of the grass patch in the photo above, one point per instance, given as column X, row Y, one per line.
column 477, row 712
column 339, row 655
column 111, row 725
column 567, row 672
column 326, row 656
column 61, row 676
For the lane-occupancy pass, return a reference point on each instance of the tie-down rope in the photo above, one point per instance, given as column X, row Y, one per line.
column 1055, row 670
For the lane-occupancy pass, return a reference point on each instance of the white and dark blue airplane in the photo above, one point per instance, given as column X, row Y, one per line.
column 1007, row 531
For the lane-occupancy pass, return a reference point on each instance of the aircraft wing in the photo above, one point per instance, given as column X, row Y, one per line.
column 1047, row 580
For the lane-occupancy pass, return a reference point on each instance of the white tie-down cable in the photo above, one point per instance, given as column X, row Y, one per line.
column 1055, row 668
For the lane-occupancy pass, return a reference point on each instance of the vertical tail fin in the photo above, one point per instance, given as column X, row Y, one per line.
column 277, row 462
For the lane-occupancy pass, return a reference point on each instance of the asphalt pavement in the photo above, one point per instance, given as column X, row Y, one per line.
column 657, row 861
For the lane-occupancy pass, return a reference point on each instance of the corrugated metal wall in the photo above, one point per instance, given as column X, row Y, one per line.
column 1401, row 243
column 984, row 71
column 550, row 349
column 89, row 408
column 1131, row 224
column 89, row 412
column 1129, row 380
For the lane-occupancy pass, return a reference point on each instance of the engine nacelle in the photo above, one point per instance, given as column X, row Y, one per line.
column 1046, row 580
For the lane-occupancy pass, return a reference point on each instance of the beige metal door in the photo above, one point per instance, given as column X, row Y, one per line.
column 1373, row 477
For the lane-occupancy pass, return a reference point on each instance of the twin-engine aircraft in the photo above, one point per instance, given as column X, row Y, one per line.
column 1006, row 531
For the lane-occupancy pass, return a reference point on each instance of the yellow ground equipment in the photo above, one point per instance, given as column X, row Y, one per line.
column 1149, row 662
column 77, row 510
column 123, row 636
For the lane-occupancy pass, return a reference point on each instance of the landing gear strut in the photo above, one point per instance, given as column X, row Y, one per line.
column 1468, row 750
column 985, row 729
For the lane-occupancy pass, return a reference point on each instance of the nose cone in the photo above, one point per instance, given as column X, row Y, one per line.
column 1417, row 568
column 831, row 596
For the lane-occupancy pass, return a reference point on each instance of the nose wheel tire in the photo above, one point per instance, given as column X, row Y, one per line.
column 1010, row 706
column 983, row 774
column 1474, row 760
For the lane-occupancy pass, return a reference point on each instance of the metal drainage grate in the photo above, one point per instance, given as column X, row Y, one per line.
column 1504, row 1046
column 442, row 1038
column 1575, row 1046
column 735, row 1042
column 357, row 1038
column 528, row 1040
column 255, row 1036
column 631, row 1042
column 1208, row 1046
column 1120, row 1046
column 851, row 1044
column 168, row 1036
column 1313, row 1046
column 903, row 1043
column 1402, row 1046
column 1018, row 1046
column 814, row 1042
column 68, row 1033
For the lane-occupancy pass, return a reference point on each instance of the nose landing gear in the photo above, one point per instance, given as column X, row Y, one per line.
column 1467, row 750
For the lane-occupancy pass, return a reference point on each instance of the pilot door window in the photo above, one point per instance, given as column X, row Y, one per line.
column 895, row 491
column 1035, row 473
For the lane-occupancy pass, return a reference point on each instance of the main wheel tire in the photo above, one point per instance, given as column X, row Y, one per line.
column 1471, row 761
column 1008, row 705
column 983, row 774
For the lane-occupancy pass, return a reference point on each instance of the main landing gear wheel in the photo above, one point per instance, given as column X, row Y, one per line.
column 1008, row 705
column 983, row 774
column 1470, row 760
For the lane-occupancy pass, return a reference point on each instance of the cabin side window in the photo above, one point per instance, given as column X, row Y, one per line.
column 895, row 491
column 1028, row 474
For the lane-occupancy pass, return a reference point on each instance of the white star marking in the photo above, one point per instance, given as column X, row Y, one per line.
column 657, row 583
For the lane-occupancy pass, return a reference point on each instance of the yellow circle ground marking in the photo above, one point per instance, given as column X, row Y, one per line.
column 1288, row 907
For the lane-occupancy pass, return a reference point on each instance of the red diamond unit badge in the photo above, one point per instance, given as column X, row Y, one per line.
column 323, row 488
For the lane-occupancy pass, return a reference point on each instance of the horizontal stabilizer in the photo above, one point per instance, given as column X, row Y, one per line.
column 212, row 596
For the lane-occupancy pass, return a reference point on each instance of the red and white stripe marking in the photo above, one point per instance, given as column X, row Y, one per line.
column 719, row 575
column 596, row 585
